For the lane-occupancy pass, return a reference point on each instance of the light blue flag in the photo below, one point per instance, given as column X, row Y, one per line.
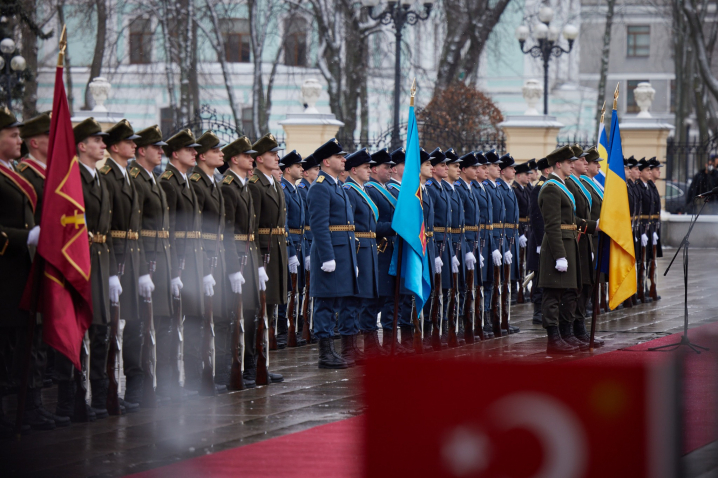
column 408, row 222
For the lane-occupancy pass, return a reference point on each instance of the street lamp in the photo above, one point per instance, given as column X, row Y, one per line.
column 546, row 36
column 12, row 66
column 398, row 13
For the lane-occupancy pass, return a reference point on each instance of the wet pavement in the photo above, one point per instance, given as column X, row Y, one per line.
column 309, row 397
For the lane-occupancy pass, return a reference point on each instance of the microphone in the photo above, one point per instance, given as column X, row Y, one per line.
column 713, row 192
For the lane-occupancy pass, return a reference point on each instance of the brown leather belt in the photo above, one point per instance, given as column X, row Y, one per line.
column 158, row 234
column 568, row 227
column 296, row 231
column 365, row 235
column 98, row 238
column 188, row 234
column 307, row 228
column 210, row 236
column 472, row 228
column 275, row 231
column 523, row 219
column 456, row 230
column 132, row 236
column 429, row 234
column 488, row 227
column 244, row 237
column 347, row 228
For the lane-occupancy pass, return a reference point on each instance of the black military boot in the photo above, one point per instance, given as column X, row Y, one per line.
column 388, row 339
column 444, row 333
column 407, row 337
column 282, row 332
column 371, row 345
column 359, row 356
column 65, row 398
column 32, row 415
column 556, row 345
column 35, row 396
column 566, row 331
column 348, row 350
column 537, row 318
column 99, row 397
column 580, row 332
column 326, row 358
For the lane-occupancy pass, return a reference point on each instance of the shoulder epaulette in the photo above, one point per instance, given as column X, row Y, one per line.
column 167, row 174
column 254, row 179
column 457, row 183
column 346, row 186
column 320, row 179
column 540, row 183
column 284, row 186
column 301, row 185
column 135, row 172
column 392, row 185
column 105, row 169
column 228, row 179
column 22, row 167
column 368, row 185
column 429, row 182
column 195, row 177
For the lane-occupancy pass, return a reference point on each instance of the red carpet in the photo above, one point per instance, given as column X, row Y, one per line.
column 326, row 451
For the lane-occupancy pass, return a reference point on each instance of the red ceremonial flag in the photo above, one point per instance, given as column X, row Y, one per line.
column 65, row 294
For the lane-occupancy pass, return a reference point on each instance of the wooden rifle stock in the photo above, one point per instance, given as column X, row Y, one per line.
column 291, row 313
column 236, row 381
column 307, row 329
column 262, row 339
column 149, row 399
column 113, row 353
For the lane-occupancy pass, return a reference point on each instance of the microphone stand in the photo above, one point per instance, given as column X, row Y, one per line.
column 684, row 244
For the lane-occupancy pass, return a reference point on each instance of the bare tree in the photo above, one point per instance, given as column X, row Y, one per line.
column 605, row 54
column 98, row 55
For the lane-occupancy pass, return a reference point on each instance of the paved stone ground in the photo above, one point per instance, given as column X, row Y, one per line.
column 121, row 445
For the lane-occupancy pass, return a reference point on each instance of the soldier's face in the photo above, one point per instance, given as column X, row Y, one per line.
column 522, row 178
column 646, row 174
column 580, row 166
column 565, row 167
column 277, row 174
column 453, row 171
column 10, row 143
column 441, row 171
column 270, row 160
column 382, row 172
column 152, row 155
column 335, row 164
column 244, row 161
column 635, row 173
column 214, row 158
column 185, row 157
column 125, row 149
column 494, row 171
column 93, row 147
column 656, row 173
column 547, row 171
column 426, row 171
column 470, row 172
column 508, row 173
column 362, row 173
column 311, row 174
column 593, row 168
column 293, row 172
column 398, row 170
column 482, row 173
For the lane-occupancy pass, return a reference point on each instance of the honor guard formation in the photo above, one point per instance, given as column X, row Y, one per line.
column 197, row 275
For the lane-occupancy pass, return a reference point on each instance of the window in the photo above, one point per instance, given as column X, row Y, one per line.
column 295, row 41
column 631, row 105
column 247, row 120
column 167, row 122
column 639, row 41
column 235, row 32
column 141, row 41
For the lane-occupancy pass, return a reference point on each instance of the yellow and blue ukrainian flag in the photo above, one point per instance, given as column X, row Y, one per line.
column 615, row 222
column 603, row 153
column 408, row 222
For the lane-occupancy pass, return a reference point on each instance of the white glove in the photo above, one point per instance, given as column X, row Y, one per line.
column 598, row 229
column 357, row 271
column 146, row 286
column 263, row 278
column 115, row 289
column 538, row 250
column 293, row 264
column 523, row 241
column 209, row 283
column 508, row 257
column 644, row 240
column 329, row 266
column 655, row 239
column 33, row 236
column 496, row 256
column 438, row 264
column 306, row 263
column 176, row 286
column 470, row 260
column 481, row 259
column 236, row 280
column 561, row 264
column 454, row 264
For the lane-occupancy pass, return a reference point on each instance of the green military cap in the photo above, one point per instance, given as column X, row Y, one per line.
column 120, row 131
column 239, row 146
column 36, row 126
column 183, row 139
column 591, row 155
column 7, row 119
column 151, row 136
column 86, row 128
column 265, row 144
column 577, row 150
column 560, row 154
column 208, row 141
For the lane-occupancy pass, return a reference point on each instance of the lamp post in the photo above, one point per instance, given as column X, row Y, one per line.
column 12, row 67
column 398, row 13
column 546, row 36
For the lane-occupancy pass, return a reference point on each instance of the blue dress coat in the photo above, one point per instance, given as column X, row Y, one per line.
column 303, row 190
column 511, row 235
column 383, row 229
column 330, row 206
column 457, row 222
column 486, row 218
column 364, row 221
column 296, row 220
column 442, row 218
column 471, row 219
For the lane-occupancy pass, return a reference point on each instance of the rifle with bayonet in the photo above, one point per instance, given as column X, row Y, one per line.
column 306, row 312
column 479, row 304
column 207, row 387
column 262, row 337
column 506, row 291
column 418, row 330
column 453, row 305
column 520, row 299
column 436, row 305
column 177, row 335
column 148, row 360
column 114, row 352
column 642, row 271
column 469, row 300
column 496, row 297
column 236, row 381
column 292, row 312
column 653, row 292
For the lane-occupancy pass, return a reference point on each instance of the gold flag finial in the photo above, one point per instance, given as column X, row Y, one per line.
column 63, row 46
column 413, row 91
column 603, row 111
column 615, row 97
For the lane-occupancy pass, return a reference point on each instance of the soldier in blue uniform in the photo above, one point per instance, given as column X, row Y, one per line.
column 397, row 171
column 511, row 223
column 522, row 190
column 535, row 237
column 333, row 262
column 292, row 171
column 486, row 238
column 358, row 312
column 469, row 167
column 310, row 172
column 498, row 213
column 427, row 204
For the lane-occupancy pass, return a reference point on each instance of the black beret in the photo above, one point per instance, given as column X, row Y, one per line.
column 327, row 150
column 382, row 157
column 437, row 156
column 120, row 131
column 357, row 159
column 183, row 139
column 239, row 146
column 86, row 128
column 559, row 154
column 151, row 136
column 506, row 161
column 398, row 155
column 523, row 167
column 469, row 159
column 309, row 162
column 36, row 126
column 265, row 144
column 492, row 157
column 423, row 155
column 542, row 164
column 290, row 158
column 8, row 120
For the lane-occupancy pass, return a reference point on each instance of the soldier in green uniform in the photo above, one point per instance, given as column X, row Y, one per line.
column 35, row 133
column 211, row 206
column 186, row 253
column 154, row 241
column 560, row 261
column 271, row 213
column 106, row 286
column 243, row 261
